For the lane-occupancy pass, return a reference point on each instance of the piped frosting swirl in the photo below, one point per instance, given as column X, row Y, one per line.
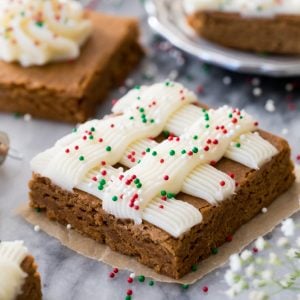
column 36, row 32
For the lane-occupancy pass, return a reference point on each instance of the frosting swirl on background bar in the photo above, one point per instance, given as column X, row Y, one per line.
column 245, row 7
column 36, row 32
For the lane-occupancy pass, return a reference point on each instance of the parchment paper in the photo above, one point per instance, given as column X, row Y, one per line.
column 285, row 206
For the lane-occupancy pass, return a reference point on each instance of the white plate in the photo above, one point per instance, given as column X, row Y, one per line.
column 168, row 18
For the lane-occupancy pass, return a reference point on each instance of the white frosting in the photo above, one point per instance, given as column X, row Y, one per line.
column 143, row 192
column 36, row 32
column 112, row 136
column 245, row 7
column 152, row 174
column 12, row 276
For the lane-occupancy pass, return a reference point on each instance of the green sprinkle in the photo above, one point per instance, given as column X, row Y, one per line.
column 128, row 297
column 154, row 153
column 167, row 83
column 194, row 268
column 148, row 150
column 74, row 129
column 39, row 23
column 183, row 151
column 38, row 210
column 93, row 129
column 141, row 278
column 203, row 109
column 206, row 117
column 238, row 145
column 81, row 158
column 137, row 87
column 195, row 137
column 172, row 152
column 185, row 286
column 214, row 250
column 230, row 116
column 102, row 181
column 91, row 137
column 139, row 98
column 170, row 195
column 163, row 192
column 195, row 150
column 108, row 148
column 144, row 121
column 152, row 121
column 100, row 187
column 114, row 198
column 241, row 117
column 139, row 185
column 136, row 181
column 166, row 133
column 143, row 116
column 131, row 118
column 207, row 126
column 141, row 110
column 151, row 283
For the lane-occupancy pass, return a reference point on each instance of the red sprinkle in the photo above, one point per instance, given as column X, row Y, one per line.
column 234, row 120
column 205, row 289
column 116, row 270
column 76, row 147
column 298, row 157
column 206, row 148
column 161, row 206
column 222, row 183
column 103, row 163
column 229, row 238
column 129, row 280
column 162, row 161
column 67, row 150
column 166, row 177
column 213, row 163
column 255, row 250
column 103, row 173
column 111, row 274
column 231, row 175
column 255, row 123
column 100, row 140
column 129, row 292
column 215, row 142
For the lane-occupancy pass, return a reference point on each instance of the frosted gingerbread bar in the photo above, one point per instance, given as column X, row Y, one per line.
column 262, row 26
column 58, row 61
column 162, row 179
column 19, row 278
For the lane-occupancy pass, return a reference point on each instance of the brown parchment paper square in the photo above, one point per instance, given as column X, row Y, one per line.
column 285, row 206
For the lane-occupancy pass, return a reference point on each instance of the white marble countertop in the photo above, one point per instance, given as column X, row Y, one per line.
column 67, row 275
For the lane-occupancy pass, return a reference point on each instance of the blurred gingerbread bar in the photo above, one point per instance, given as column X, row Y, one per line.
column 19, row 278
column 57, row 61
column 266, row 26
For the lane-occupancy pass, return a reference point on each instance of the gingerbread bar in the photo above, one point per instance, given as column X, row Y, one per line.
column 20, row 279
column 247, row 26
column 65, row 77
column 163, row 180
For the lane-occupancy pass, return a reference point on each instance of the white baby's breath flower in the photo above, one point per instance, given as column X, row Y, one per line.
column 231, row 293
column 282, row 242
column 258, row 295
column 298, row 244
column 292, row 252
column 284, row 283
column 240, row 286
column 246, row 255
column 259, row 283
column 259, row 261
column 267, row 275
column 260, row 243
column 250, row 271
column 274, row 259
column 231, row 277
column 235, row 262
column 288, row 227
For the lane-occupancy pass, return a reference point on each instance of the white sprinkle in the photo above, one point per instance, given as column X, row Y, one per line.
column 246, row 255
column 270, row 106
column 27, row 117
column 284, row 131
column 227, row 80
column 257, row 91
column 235, row 262
column 260, row 243
column 132, row 275
column 36, row 228
column 288, row 227
column 289, row 87
column 255, row 81
column 69, row 226
column 264, row 210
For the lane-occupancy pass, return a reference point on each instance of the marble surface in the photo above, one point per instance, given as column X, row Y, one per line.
column 67, row 275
